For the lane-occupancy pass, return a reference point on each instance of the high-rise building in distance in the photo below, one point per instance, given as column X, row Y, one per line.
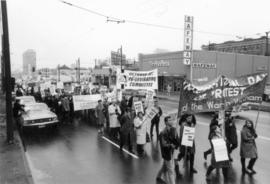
column 29, row 62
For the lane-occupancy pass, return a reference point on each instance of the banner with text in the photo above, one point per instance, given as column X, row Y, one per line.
column 82, row 102
column 147, row 80
column 222, row 93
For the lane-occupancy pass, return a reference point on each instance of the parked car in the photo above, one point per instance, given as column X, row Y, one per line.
column 24, row 100
column 38, row 115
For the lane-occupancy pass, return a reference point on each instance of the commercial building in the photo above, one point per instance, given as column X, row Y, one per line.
column 29, row 62
column 259, row 46
column 206, row 66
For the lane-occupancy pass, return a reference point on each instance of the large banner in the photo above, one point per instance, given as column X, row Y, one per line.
column 222, row 93
column 138, row 80
column 82, row 102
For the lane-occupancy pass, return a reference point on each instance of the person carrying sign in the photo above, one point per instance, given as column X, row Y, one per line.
column 189, row 120
column 230, row 133
column 215, row 133
column 168, row 143
column 156, row 119
column 248, row 147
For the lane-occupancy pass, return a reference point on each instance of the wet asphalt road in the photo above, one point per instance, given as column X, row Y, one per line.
column 76, row 154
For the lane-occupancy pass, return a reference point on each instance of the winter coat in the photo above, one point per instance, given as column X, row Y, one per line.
column 230, row 132
column 100, row 114
column 248, row 147
column 127, row 129
column 65, row 104
column 157, row 116
column 141, row 131
column 168, row 142
column 114, row 122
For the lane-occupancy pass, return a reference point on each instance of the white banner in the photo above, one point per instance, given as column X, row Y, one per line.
column 220, row 150
column 145, row 80
column 82, row 102
column 188, row 136
column 138, row 106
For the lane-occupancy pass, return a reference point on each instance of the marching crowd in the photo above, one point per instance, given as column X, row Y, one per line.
column 119, row 121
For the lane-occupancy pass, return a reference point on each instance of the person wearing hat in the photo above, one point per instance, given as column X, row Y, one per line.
column 126, row 130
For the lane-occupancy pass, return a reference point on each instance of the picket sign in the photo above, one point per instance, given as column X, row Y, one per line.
column 138, row 106
column 220, row 150
column 188, row 136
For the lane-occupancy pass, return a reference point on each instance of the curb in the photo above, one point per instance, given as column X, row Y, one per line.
column 26, row 164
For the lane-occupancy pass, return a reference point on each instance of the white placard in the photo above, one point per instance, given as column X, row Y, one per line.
column 150, row 114
column 52, row 89
column 82, row 102
column 138, row 106
column 188, row 136
column 220, row 150
column 149, row 98
column 60, row 85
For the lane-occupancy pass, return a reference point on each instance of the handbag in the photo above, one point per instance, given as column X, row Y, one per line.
column 148, row 137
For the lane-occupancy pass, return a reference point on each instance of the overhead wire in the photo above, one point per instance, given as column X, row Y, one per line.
column 118, row 20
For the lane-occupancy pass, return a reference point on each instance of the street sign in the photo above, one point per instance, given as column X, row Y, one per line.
column 188, row 40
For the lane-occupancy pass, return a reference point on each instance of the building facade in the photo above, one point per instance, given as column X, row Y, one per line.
column 206, row 66
column 29, row 62
column 258, row 46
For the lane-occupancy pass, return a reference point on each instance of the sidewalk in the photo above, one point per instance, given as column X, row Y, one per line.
column 14, row 167
column 13, row 164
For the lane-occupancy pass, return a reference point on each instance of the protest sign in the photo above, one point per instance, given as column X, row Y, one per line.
column 220, row 150
column 222, row 93
column 146, row 80
column 138, row 106
column 52, row 89
column 188, row 136
column 60, row 85
column 82, row 102
column 35, row 89
column 150, row 114
column 42, row 87
column 149, row 98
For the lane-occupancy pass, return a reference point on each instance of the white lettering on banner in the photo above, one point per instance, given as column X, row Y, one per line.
column 228, row 92
column 220, row 150
column 82, row 102
column 254, row 79
column 188, row 136
column 138, row 106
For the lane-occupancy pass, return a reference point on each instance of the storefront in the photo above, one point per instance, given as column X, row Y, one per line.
column 206, row 66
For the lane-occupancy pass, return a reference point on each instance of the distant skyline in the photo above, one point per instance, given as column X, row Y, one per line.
column 60, row 33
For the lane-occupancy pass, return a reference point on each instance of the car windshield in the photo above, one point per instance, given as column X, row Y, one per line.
column 25, row 100
column 37, row 107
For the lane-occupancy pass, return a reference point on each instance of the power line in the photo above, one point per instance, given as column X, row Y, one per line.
column 118, row 20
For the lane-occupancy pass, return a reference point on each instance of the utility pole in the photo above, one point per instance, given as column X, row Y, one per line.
column 266, row 46
column 79, row 70
column 6, row 55
column 121, row 60
column 58, row 69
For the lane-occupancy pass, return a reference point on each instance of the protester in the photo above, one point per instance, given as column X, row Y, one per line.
column 169, row 89
column 114, row 113
column 126, row 130
column 230, row 134
column 123, row 105
column 215, row 133
column 106, row 112
column 130, row 101
column 168, row 143
column 141, row 133
column 65, row 108
column 100, row 115
column 187, row 152
column 17, row 111
column 214, row 122
column 156, row 119
column 248, row 147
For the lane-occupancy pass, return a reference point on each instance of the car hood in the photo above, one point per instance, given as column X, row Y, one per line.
column 38, row 115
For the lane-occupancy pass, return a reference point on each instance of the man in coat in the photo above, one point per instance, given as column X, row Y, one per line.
column 230, row 134
column 156, row 119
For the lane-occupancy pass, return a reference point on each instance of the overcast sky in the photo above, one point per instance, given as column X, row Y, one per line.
column 61, row 33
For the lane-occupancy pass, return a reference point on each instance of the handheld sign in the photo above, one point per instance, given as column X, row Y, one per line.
column 220, row 150
column 150, row 114
column 188, row 136
column 138, row 107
